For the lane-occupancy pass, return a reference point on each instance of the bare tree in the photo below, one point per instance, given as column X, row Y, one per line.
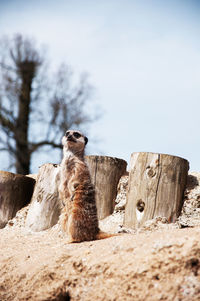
column 34, row 109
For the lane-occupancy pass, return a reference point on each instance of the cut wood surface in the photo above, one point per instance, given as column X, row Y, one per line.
column 15, row 192
column 105, row 173
column 45, row 209
column 156, row 188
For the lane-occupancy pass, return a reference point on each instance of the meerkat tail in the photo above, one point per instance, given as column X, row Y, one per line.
column 103, row 235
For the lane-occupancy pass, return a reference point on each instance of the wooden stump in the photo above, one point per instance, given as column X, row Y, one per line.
column 45, row 209
column 105, row 173
column 156, row 188
column 15, row 192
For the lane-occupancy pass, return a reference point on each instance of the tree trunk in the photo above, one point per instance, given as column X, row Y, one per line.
column 15, row 193
column 156, row 188
column 45, row 206
column 27, row 73
column 105, row 173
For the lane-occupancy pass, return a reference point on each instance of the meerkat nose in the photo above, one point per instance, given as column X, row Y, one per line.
column 70, row 138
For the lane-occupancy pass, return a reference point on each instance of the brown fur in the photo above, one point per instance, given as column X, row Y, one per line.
column 79, row 215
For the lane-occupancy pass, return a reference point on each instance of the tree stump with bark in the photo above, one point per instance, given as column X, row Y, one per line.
column 15, row 192
column 45, row 206
column 105, row 174
column 156, row 188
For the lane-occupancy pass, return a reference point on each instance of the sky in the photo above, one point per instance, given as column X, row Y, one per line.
column 143, row 58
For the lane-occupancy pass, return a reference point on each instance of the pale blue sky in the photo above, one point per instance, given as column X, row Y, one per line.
column 143, row 58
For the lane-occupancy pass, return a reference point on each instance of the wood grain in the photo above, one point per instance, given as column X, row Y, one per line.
column 105, row 173
column 45, row 205
column 156, row 188
column 15, row 192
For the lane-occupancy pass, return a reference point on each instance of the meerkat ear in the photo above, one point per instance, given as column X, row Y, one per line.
column 86, row 140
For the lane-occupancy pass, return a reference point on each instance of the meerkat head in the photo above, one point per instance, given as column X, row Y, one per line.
column 74, row 141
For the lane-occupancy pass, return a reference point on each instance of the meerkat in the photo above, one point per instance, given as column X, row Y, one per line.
column 79, row 214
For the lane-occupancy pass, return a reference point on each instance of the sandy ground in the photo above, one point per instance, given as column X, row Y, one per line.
column 158, row 265
column 161, row 261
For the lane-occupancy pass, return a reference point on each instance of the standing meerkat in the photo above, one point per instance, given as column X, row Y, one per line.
column 79, row 214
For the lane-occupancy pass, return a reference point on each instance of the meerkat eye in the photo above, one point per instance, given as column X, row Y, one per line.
column 67, row 134
column 76, row 135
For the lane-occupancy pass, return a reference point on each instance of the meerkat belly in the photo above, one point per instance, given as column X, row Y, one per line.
column 83, row 221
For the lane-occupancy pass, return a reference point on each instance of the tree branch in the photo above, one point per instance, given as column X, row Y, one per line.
column 7, row 113
column 6, row 123
column 4, row 66
column 4, row 149
column 34, row 146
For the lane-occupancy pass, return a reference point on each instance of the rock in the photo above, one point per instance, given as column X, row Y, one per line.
column 120, row 201
column 190, row 215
